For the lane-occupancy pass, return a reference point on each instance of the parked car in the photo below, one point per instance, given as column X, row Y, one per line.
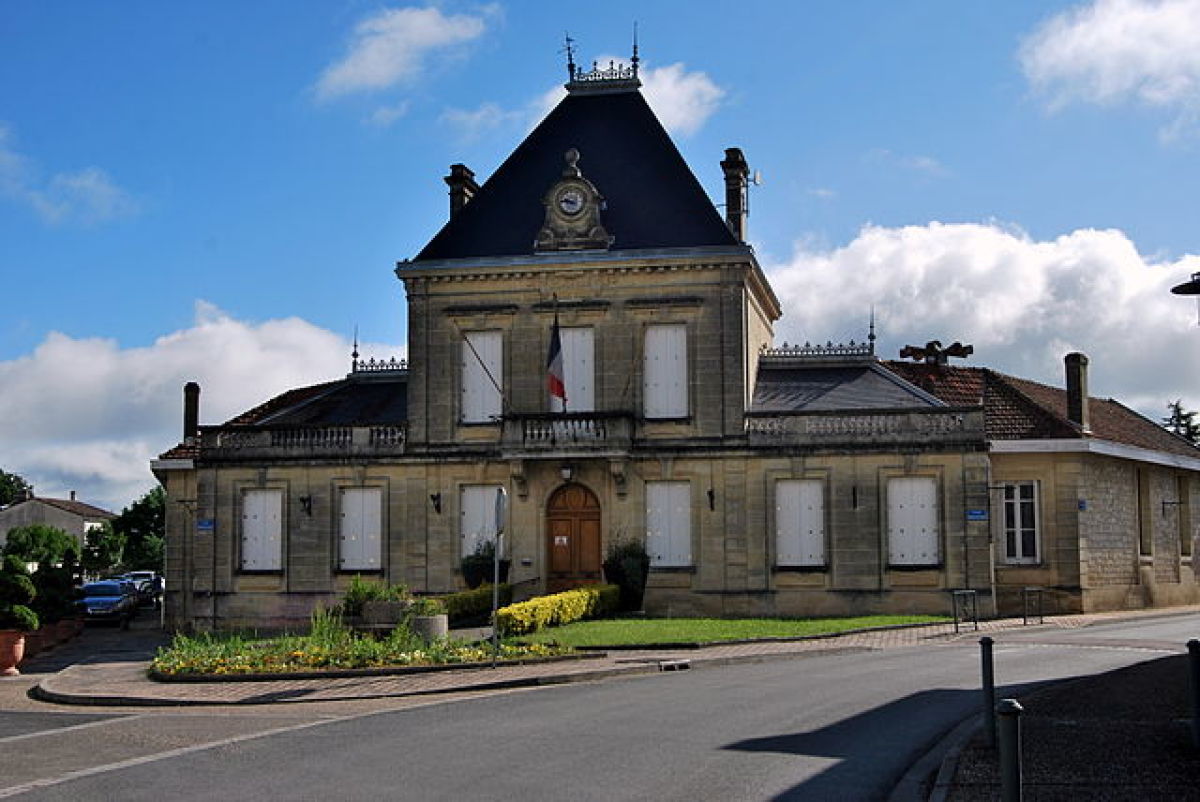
column 109, row 600
column 148, row 585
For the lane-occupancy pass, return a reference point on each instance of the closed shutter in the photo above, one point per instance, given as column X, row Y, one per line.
column 262, row 530
column 800, row 522
column 669, row 523
column 912, row 521
column 480, row 396
column 476, row 516
column 361, row 544
column 665, row 372
column 579, row 370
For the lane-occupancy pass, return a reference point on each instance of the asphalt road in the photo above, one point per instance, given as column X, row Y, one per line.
column 831, row 727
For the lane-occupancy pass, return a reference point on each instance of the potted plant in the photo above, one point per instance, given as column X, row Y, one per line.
column 626, row 565
column 16, row 618
column 429, row 620
column 478, row 566
column 373, row 604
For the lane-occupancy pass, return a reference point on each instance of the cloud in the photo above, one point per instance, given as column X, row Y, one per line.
column 682, row 100
column 926, row 165
column 1022, row 303
column 823, row 193
column 473, row 124
column 386, row 115
column 1119, row 51
column 87, row 196
column 88, row 415
column 393, row 46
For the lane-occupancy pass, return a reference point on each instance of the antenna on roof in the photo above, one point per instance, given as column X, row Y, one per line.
column 569, row 49
column 634, row 60
column 871, row 331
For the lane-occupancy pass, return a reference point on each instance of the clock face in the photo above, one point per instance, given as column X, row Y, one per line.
column 570, row 201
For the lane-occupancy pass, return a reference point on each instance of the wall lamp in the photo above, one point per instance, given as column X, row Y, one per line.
column 712, row 499
column 306, row 504
column 436, row 500
column 567, row 472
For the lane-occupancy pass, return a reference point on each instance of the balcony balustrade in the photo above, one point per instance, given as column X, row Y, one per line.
column 940, row 426
column 303, row 441
column 567, row 433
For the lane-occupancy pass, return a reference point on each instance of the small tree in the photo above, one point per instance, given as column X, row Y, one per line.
column 12, row 487
column 1182, row 422
column 142, row 525
column 41, row 544
column 16, row 593
column 102, row 549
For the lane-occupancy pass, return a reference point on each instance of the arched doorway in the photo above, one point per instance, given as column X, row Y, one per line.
column 573, row 538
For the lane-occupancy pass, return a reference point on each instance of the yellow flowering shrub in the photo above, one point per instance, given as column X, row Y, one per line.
column 591, row 601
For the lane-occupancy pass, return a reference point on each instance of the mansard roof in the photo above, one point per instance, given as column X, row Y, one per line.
column 374, row 400
column 1019, row 409
column 797, row 386
column 652, row 198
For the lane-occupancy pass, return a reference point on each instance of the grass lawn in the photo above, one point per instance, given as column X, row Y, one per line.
column 649, row 631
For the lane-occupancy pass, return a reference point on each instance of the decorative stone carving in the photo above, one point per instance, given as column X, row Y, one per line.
column 573, row 207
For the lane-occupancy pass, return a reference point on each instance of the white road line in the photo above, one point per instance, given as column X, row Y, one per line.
column 73, row 727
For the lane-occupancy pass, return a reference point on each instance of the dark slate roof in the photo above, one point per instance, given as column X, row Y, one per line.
column 819, row 387
column 354, row 401
column 1019, row 409
column 653, row 199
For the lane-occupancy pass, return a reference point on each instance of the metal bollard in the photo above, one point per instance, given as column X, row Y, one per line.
column 1193, row 647
column 1009, row 712
column 989, row 690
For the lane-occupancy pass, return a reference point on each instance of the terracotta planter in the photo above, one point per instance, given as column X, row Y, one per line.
column 431, row 627
column 12, row 651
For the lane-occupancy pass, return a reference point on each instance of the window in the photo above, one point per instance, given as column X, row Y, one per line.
column 1142, row 497
column 482, row 375
column 665, row 372
column 1184, row 505
column 262, row 530
column 669, row 523
column 476, row 516
column 799, row 522
column 1020, row 519
column 912, row 511
column 361, row 544
column 579, row 372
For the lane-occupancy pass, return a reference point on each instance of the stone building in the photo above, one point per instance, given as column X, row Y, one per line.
column 74, row 517
column 587, row 333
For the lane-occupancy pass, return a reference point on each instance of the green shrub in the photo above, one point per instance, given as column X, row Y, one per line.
column 427, row 605
column 524, row 617
column 474, row 605
column 16, row 592
column 362, row 590
column 627, row 564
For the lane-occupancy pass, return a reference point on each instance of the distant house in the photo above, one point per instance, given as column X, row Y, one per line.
column 68, row 514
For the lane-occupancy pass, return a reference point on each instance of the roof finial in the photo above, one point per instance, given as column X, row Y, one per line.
column 635, row 59
column 871, row 333
column 354, row 353
column 569, row 48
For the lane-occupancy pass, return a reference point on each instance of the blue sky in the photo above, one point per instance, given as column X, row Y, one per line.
column 220, row 190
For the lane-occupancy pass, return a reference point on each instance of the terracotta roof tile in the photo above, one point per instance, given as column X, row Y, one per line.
column 74, row 507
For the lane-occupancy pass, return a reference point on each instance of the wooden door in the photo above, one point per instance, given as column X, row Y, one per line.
column 572, row 538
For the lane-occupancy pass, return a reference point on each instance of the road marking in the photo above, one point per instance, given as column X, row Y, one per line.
column 61, row 730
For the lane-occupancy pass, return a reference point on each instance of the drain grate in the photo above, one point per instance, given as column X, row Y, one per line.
column 674, row 665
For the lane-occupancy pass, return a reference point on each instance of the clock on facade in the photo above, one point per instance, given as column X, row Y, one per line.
column 570, row 201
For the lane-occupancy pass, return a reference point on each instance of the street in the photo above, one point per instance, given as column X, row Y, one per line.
column 833, row 726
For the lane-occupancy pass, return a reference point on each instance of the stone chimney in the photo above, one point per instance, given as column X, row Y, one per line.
column 737, row 173
column 191, row 412
column 72, row 495
column 1077, row 390
column 462, row 187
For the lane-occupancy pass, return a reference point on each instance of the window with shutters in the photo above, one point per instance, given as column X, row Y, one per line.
column 669, row 523
column 913, row 532
column 482, row 376
column 1020, row 520
column 360, row 547
column 476, row 516
column 665, row 372
column 579, row 370
column 799, row 523
column 262, row 530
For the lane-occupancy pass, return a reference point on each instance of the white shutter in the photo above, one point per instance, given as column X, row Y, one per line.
column 360, row 547
column 262, row 530
column 579, row 370
column 480, row 396
column 799, row 522
column 665, row 372
column 912, row 521
column 476, row 516
column 669, row 523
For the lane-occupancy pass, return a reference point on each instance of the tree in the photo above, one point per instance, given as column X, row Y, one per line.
column 1182, row 422
column 142, row 525
column 102, row 549
column 41, row 544
column 12, row 487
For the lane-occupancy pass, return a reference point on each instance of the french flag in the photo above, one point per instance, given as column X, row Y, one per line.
column 554, row 366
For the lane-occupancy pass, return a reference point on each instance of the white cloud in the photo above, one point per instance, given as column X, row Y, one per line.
column 392, row 47
column 926, row 165
column 823, row 193
column 1116, row 51
column 86, row 196
column 386, row 115
column 1022, row 303
column 88, row 415
column 682, row 100
column 472, row 124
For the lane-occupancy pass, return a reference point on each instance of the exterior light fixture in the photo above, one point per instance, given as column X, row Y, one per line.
column 567, row 472
column 436, row 500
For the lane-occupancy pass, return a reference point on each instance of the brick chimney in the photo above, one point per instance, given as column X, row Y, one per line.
column 462, row 187
column 737, row 173
column 1077, row 390
column 191, row 412
column 72, row 495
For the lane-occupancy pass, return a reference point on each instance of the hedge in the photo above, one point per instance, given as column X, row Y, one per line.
column 474, row 604
column 592, row 601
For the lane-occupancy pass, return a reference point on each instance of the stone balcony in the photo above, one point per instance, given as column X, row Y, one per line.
column 300, row 442
column 937, row 426
column 568, row 434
